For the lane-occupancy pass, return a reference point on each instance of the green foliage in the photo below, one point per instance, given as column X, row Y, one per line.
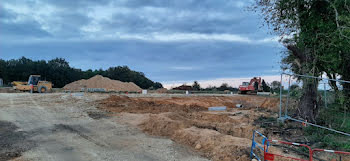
column 295, row 91
column 60, row 73
column 333, row 117
column 327, row 140
column 157, row 85
column 223, row 87
column 126, row 75
column 316, row 34
column 265, row 87
column 275, row 87
column 210, row 88
column 196, row 86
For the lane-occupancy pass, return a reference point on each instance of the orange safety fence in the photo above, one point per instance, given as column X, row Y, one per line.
column 330, row 155
column 269, row 156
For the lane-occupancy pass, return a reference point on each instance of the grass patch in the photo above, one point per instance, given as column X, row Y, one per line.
column 333, row 118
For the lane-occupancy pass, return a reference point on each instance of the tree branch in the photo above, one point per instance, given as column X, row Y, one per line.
column 337, row 20
column 297, row 53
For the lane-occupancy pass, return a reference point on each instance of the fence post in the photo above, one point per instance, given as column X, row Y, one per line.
column 288, row 95
column 280, row 114
column 325, row 95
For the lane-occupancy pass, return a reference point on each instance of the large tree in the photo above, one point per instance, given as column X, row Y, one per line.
column 316, row 34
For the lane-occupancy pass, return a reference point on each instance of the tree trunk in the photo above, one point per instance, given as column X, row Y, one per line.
column 308, row 105
column 333, row 84
column 346, row 90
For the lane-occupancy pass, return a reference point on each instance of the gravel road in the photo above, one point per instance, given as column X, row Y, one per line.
column 60, row 126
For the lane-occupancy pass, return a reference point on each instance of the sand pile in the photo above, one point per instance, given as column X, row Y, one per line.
column 105, row 83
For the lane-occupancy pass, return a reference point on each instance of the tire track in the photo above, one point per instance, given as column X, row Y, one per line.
column 79, row 133
column 35, row 103
column 11, row 102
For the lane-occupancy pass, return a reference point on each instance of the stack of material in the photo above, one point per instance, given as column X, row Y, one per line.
column 100, row 82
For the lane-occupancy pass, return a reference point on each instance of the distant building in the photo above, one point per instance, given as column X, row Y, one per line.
column 1, row 82
column 184, row 87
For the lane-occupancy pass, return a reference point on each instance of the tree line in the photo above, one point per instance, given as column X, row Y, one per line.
column 226, row 87
column 60, row 73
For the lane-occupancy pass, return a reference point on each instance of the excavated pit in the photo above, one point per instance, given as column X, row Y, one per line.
column 224, row 135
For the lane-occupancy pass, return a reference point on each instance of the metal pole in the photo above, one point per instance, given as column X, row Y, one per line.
column 307, row 76
column 280, row 114
column 325, row 95
column 286, row 107
column 340, row 132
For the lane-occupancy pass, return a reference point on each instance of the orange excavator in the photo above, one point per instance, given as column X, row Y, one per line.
column 252, row 87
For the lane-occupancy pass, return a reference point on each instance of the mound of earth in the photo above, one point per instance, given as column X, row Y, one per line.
column 214, row 144
column 105, row 83
column 248, row 102
column 140, row 105
column 186, row 120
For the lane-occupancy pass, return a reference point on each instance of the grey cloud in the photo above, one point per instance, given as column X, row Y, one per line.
column 70, row 23
column 76, row 4
column 185, row 16
column 176, row 21
column 212, row 60
column 205, row 5
column 6, row 14
column 21, row 30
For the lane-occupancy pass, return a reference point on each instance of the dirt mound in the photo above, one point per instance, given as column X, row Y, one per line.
column 105, row 83
column 270, row 102
column 165, row 124
column 214, row 144
column 217, row 135
column 162, row 125
column 215, row 139
column 162, row 90
column 248, row 102
column 139, row 105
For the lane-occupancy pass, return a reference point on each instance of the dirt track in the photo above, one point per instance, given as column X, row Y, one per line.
column 52, row 127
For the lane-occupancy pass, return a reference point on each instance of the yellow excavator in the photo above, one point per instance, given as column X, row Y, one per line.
column 34, row 84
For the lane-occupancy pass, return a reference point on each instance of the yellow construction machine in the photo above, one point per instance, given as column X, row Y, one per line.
column 34, row 84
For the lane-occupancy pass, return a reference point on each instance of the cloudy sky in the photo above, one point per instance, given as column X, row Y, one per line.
column 171, row 41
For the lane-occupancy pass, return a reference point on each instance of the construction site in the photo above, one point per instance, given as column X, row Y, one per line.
column 174, row 80
column 104, row 119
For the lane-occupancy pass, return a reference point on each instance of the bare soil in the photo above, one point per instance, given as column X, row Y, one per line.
column 186, row 120
column 13, row 142
column 68, row 126
column 8, row 90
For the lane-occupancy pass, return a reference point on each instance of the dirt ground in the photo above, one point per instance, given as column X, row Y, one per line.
column 63, row 126
column 92, row 126
column 86, row 126
column 186, row 120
